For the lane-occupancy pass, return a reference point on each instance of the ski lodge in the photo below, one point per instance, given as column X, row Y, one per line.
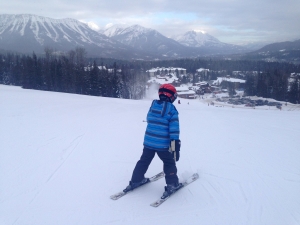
column 184, row 92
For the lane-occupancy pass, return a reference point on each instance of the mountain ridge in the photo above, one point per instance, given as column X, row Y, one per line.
column 27, row 33
column 196, row 39
column 151, row 40
column 285, row 45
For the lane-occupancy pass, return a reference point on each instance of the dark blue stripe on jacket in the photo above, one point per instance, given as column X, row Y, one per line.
column 162, row 127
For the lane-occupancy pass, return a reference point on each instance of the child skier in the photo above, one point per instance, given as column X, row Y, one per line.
column 161, row 137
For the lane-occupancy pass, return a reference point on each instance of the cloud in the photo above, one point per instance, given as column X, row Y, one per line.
column 228, row 20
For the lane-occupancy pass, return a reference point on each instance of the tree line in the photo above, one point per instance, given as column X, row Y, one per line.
column 274, row 84
column 71, row 73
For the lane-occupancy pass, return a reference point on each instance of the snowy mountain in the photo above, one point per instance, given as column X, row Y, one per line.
column 114, row 30
column 207, row 43
column 149, row 40
column 28, row 33
column 63, row 155
column 197, row 39
column 253, row 46
column 288, row 51
column 281, row 46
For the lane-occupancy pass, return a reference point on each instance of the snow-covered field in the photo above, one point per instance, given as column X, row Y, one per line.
column 63, row 155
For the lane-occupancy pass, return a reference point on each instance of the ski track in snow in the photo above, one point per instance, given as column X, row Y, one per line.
column 74, row 151
column 64, row 152
column 72, row 147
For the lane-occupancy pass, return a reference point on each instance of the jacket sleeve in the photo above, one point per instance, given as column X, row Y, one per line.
column 174, row 125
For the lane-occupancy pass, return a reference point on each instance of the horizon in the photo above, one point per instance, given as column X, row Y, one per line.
column 230, row 22
column 97, row 28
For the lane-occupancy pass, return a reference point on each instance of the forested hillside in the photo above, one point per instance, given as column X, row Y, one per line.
column 75, row 73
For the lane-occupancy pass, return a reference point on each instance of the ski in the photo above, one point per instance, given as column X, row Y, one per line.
column 191, row 179
column 151, row 179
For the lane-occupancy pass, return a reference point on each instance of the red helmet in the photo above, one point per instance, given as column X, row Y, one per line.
column 168, row 90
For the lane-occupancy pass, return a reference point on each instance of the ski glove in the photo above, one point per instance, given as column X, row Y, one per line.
column 175, row 148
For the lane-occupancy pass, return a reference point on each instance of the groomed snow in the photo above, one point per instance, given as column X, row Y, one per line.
column 63, row 155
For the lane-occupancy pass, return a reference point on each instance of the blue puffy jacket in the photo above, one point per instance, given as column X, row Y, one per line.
column 163, row 126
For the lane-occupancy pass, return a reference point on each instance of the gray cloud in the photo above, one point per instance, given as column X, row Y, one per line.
column 231, row 21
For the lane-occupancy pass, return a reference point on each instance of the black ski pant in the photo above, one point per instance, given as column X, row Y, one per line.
column 142, row 165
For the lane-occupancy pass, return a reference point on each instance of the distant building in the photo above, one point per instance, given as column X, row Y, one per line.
column 164, row 71
column 216, row 89
column 203, row 74
column 164, row 79
column 239, row 83
column 294, row 75
column 202, row 70
column 89, row 68
column 202, row 84
column 243, row 74
column 184, row 92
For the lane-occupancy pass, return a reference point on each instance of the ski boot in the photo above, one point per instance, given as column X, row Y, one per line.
column 170, row 189
column 132, row 185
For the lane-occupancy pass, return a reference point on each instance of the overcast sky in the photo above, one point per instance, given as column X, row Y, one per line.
column 231, row 21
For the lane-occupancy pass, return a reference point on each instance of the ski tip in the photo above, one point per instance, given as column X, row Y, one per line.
column 118, row 195
column 114, row 197
column 157, row 203
column 189, row 180
column 196, row 175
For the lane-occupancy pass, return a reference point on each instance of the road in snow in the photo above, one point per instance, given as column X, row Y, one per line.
column 63, row 155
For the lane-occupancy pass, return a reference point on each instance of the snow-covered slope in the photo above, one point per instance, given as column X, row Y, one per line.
column 63, row 155
column 281, row 46
column 42, row 26
column 28, row 33
column 115, row 30
column 288, row 51
column 148, row 40
column 207, row 43
column 197, row 39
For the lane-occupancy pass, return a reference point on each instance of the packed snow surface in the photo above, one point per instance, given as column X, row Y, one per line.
column 63, row 155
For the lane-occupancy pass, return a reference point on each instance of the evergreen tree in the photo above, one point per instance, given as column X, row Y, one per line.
column 27, row 78
column 294, row 91
column 94, row 80
column 124, row 82
column 115, row 83
column 46, row 70
column 250, row 86
column 261, row 85
column 231, row 89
